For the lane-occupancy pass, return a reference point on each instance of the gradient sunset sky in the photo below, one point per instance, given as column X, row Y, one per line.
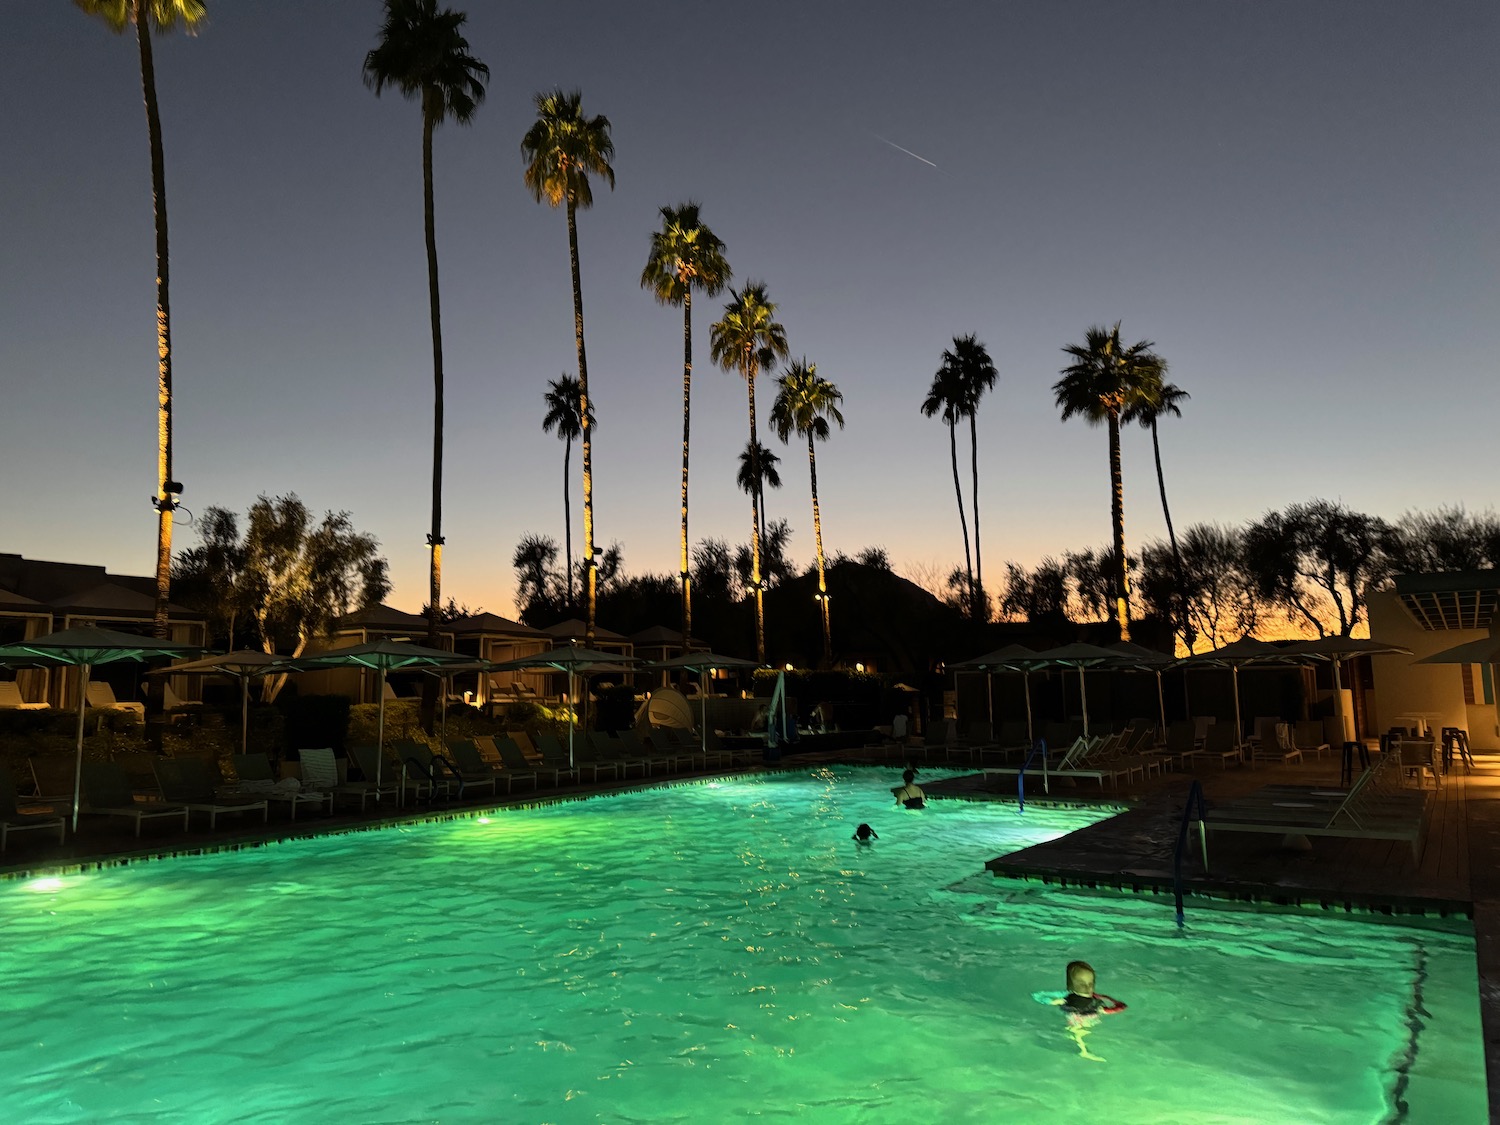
column 1296, row 202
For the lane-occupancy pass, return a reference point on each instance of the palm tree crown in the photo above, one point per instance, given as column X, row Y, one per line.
column 1105, row 381
column 423, row 53
column 746, row 339
column 163, row 15
column 685, row 255
column 564, row 148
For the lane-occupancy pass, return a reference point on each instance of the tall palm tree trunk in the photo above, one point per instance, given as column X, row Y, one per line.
column 591, row 583
column 435, row 538
column 963, row 521
column 812, row 465
column 760, row 603
column 164, row 502
column 1166, row 512
column 981, row 601
column 1117, row 517
column 687, row 412
column 568, row 513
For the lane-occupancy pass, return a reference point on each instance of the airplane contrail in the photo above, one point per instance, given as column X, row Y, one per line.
column 908, row 151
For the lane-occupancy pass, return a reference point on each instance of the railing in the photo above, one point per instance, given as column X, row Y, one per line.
column 1194, row 799
column 1037, row 747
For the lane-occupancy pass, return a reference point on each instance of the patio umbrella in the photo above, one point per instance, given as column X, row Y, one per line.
column 702, row 663
column 83, row 647
column 243, row 664
column 445, row 674
column 383, row 657
column 1077, row 655
column 1011, row 658
column 1236, row 655
column 1339, row 649
column 564, row 658
column 1139, row 658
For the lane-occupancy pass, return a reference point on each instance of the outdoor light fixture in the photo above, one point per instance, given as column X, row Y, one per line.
column 435, row 542
column 788, row 667
column 168, row 501
column 859, row 667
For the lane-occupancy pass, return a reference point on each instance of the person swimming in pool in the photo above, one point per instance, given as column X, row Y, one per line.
column 1082, row 1005
column 910, row 793
column 864, row 835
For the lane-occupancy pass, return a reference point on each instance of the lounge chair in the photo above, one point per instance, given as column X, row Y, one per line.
column 437, row 773
column 191, row 782
column 107, row 792
column 12, row 700
column 512, row 757
column 1367, row 811
column 475, row 773
column 12, row 819
column 600, row 748
column 554, row 754
column 256, row 778
column 1271, row 745
column 1307, row 736
column 320, row 773
column 1181, row 745
column 1082, row 759
column 52, row 779
column 1221, row 746
column 382, row 776
column 102, row 696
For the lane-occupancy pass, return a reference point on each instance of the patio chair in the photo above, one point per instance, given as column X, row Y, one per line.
column 1307, row 736
column 12, row 819
column 52, row 779
column 191, row 782
column 1182, row 744
column 599, row 747
column 256, row 777
column 554, row 754
column 107, row 792
column 102, row 696
column 1274, row 743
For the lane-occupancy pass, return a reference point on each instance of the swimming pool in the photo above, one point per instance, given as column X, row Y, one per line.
column 704, row 953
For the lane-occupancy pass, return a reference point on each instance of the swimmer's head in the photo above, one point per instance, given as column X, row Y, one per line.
column 863, row 832
column 909, row 776
column 1080, row 978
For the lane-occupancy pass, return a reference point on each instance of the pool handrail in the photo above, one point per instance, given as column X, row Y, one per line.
column 1037, row 747
column 1194, row 797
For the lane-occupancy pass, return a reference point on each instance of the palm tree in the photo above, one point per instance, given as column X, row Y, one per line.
column 685, row 255
column 758, row 469
column 746, row 339
column 1106, row 381
column 423, row 54
column 975, row 372
column 1165, row 404
column 562, row 399
column 163, row 15
column 805, row 403
column 947, row 396
column 562, row 149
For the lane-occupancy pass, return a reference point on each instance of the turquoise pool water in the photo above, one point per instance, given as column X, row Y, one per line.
column 704, row 953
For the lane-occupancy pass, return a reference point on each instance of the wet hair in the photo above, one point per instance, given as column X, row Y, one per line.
column 909, row 776
column 1080, row 977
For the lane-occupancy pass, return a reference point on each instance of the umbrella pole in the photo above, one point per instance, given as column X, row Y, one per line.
column 703, row 726
column 1161, row 703
column 83, row 694
column 444, row 683
column 244, row 714
column 1338, row 700
column 380, row 739
column 989, row 695
column 1239, row 726
column 1083, row 697
column 1026, row 683
column 572, row 717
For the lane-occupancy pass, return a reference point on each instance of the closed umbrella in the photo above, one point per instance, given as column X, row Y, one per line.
column 568, row 658
column 703, row 663
column 383, row 657
column 83, row 647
